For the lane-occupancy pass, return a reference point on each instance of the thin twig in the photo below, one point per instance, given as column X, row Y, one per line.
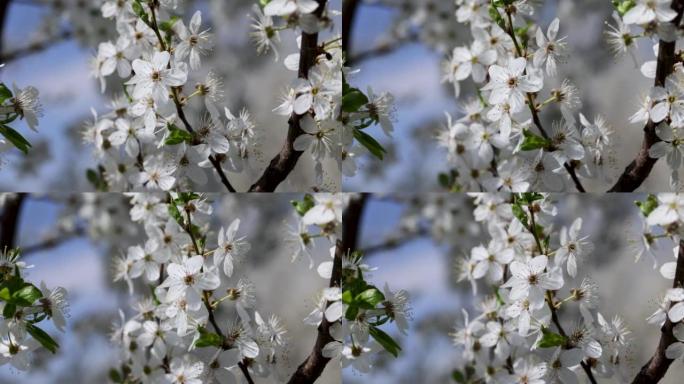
column 179, row 106
column 549, row 297
column 34, row 47
column 533, row 108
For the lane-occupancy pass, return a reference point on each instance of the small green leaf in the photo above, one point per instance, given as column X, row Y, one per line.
column 5, row 93
column 550, row 339
column 115, row 376
column 15, row 138
column 42, row 337
column 369, row 298
column 9, row 310
column 177, row 136
column 520, row 214
column 385, row 340
column 302, row 207
column 370, row 143
column 167, row 25
column 532, row 141
column 458, row 377
column 353, row 100
column 26, row 296
column 647, row 206
column 208, row 339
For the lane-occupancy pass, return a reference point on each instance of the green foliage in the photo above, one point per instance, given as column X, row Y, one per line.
column 15, row 138
column 96, row 178
column 532, row 141
column 302, row 207
column 622, row 7
column 370, row 143
column 551, row 339
column 385, row 340
column 5, row 93
column 647, row 206
column 208, row 339
column 42, row 337
column 177, row 136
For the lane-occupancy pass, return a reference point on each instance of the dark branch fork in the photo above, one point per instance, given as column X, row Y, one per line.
column 657, row 366
column 315, row 363
column 639, row 169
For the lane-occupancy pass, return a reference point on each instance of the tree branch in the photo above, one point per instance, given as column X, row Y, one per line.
column 315, row 363
column 349, row 8
column 9, row 221
column 34, row 47
column 395, row 241
column 638, row 170
column 657, row 366
column 284, row 162
column 4, row 8
column 381, row 49
column 52, row 241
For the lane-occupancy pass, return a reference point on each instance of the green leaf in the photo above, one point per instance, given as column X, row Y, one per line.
column 15, row 138
column 550, row 339
column 347, row 297
column 647, row 206
column 167, row 25
column 458, row 377
column 519, row 213
column 9, row 310
column 369, row 298
column 115, row 376
column 175, row 213
column 496, row 16
column 5, row 93
column 623, row 6
column 140, row 11
column 370, row 143
column 42, row 337
column 208, row 339
column 302, row 207
column 351, row 312
column 385, row 340
column 26, row 296
column 177, row 136
column 532, row 141
column 5, row 294
column 353, row 100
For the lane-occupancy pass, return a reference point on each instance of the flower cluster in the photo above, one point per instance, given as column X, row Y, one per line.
column 151, row 140
column 499, row 142
column 518, row 336
column 186, row 264
column 22, row 104
column 184, row 272
column 24, row 306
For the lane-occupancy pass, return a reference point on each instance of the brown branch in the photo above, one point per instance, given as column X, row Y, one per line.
column 381, row 49
column 395, row 241
column 9, row 221
column 315, row 363
column 657, row 366
column 638, row 170
column 349, row 8
column 52, row 241
column 284, row 162
column 4, row 7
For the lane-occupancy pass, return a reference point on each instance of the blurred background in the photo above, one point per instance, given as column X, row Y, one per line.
column 60, row 70
column 90, row 229
column 415, row 240
column 398, row 46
